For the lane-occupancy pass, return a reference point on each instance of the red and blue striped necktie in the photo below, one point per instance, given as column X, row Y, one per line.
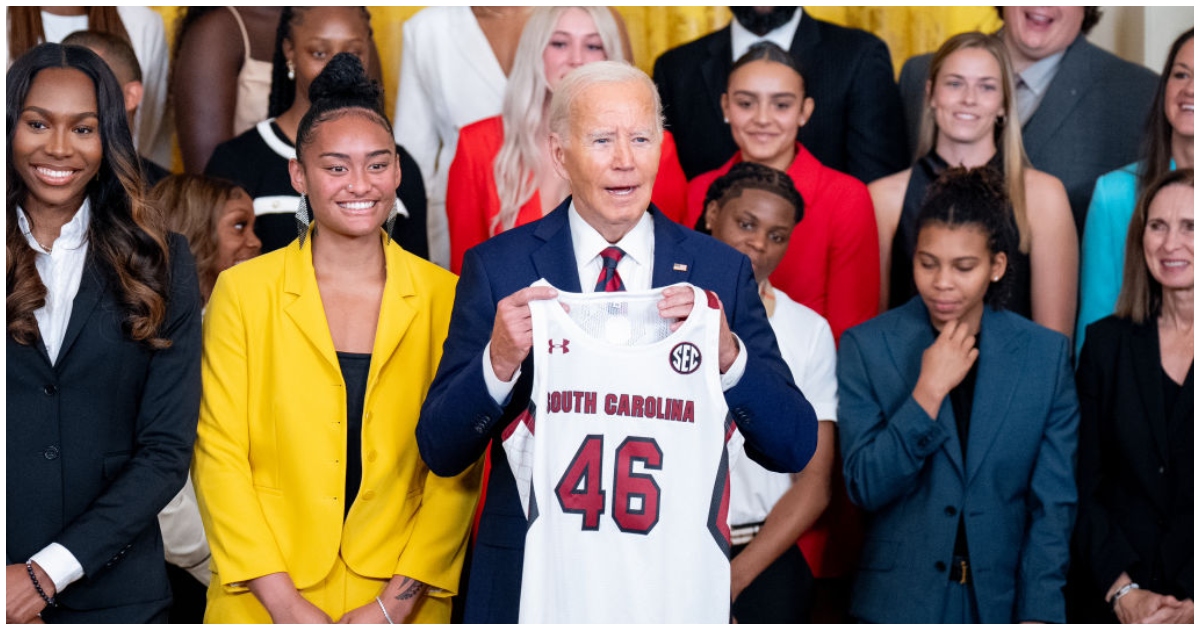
column 610, row 280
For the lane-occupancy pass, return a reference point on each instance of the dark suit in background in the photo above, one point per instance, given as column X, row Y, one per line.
column 1090, row 121
column 459, row 417
column 1136, row 471
column 100, row 441
column 856, row 127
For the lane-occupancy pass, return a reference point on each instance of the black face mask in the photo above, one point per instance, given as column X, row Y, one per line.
column 762, row 23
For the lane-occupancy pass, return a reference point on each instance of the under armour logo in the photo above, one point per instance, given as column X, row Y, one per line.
column 561, row 346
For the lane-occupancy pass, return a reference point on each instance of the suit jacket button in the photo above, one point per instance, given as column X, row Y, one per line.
column 951, row 511
column 50, row 390
column 923, row 442
column 1162, row 470
column 940, row 566
column 51, row 452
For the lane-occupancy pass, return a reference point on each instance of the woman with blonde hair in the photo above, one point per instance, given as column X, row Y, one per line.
column 501, row 176
column 970, row 121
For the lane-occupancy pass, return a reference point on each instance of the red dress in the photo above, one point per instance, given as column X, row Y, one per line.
column 472, row 202
column 832, row 262
column 832, row 267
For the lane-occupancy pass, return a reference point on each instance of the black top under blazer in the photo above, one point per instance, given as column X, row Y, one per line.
column 99, row 442
column 1136, row 470
column 857, row 125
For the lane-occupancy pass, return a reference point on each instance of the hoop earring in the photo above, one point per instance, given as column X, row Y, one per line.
column 302, row 219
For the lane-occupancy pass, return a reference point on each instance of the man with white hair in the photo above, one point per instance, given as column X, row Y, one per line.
column 606, row 133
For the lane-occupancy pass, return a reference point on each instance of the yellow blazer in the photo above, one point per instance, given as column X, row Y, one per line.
column 269, row 466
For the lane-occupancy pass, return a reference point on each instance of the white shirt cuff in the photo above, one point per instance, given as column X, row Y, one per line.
column 60, row 564
column 730, row 379
column 500, row 390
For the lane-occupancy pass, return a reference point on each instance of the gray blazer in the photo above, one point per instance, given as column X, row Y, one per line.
column 1090, row 122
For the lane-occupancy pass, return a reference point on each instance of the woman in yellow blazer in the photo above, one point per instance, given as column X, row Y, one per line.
column 317, row 358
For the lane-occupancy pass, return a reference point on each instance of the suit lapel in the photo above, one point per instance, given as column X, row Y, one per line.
column 396, row 312
column 912, row 337
column 1064, row 93
column 672, row 262
column 1000, row 370
column 91, row 287
column 306, row 310
column 715, row 68
column 554, row 259
column 1147, row 370
column 807, row 39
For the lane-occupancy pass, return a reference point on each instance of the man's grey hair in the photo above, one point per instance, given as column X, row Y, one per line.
column 596, row 73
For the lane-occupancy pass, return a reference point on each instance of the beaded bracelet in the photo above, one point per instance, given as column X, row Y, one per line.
column 37, row 586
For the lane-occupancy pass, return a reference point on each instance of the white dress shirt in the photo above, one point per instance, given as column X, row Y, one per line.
column 742, row 39
column 61, row 270
column 636, row 269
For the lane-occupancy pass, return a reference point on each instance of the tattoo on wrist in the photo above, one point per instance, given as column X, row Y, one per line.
column 410, row 589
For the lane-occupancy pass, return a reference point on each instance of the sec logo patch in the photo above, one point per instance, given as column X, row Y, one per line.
column 685, row 358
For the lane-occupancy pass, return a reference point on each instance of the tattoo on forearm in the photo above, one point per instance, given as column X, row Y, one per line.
column 410, row 589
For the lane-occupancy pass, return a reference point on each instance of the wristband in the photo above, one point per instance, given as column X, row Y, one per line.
column 1122, row 592
column 50, row 601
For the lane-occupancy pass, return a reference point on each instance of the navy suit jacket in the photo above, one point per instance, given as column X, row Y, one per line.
column 459, row 417
column 857, row 126
column 100, row 441
column 1090, row 122
column 1015, row 491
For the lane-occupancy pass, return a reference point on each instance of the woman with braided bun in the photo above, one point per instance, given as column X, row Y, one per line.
column 257, row 160
column 317, row 357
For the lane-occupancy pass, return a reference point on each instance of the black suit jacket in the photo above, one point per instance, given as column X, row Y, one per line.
column 100, row 441
column 1090, row 122
column 856, row 126
column 1136, row 485
column 459, row 417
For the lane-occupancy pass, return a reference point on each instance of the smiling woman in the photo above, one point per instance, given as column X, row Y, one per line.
column 102, row 355
column 831, row 265
column 317, row 357
column 970, row 121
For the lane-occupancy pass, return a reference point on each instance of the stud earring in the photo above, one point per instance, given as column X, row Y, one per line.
column 995, row 278
column 291, row 71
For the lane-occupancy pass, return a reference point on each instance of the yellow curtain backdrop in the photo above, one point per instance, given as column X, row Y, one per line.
column 653, row 30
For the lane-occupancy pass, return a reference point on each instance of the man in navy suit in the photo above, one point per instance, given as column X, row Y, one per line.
column 606, row 132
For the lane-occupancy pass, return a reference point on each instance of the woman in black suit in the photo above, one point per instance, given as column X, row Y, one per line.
column 1134, row 539
column 103, row 352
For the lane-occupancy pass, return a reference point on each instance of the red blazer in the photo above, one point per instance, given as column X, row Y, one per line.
column 832, row 262
column 472, row 201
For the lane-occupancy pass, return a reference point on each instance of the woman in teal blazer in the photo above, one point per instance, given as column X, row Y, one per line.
column 1169, row 141
column 961, row 451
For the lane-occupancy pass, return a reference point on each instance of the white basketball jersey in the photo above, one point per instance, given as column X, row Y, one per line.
column 622, row 464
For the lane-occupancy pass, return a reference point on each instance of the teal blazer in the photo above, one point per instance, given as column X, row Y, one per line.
column 1016, row 487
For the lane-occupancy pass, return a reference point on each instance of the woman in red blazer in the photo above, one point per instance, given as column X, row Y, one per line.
column 832, row 264
column 501, row 175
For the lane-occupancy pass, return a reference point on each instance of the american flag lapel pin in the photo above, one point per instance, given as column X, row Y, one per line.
column 680, row 267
